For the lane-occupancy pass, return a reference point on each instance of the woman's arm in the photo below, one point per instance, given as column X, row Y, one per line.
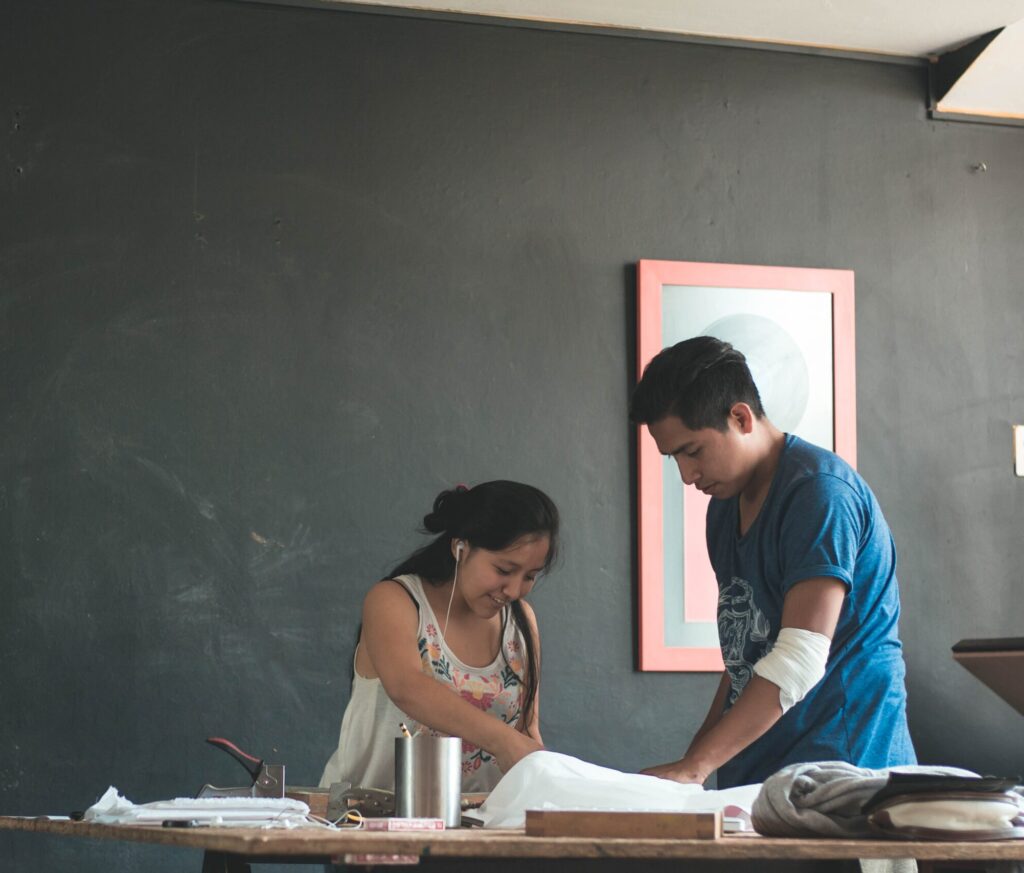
column 390, row 624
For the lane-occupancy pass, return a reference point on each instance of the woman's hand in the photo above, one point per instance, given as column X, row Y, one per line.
column 514, row 747
column 685, row 771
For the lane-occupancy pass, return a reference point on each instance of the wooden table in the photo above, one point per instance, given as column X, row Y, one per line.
column 230, row 850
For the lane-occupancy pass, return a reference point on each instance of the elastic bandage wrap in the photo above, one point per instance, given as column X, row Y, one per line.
column 796, row 663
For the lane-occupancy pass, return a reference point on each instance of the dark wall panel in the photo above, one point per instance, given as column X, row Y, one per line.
column 270, row 278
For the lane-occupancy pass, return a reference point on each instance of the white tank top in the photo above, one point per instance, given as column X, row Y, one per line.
column 366, row 747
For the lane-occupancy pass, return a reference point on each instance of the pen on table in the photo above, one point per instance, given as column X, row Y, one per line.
column 180, row 823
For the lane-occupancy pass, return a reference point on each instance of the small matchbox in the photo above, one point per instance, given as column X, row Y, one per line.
column 403, row 824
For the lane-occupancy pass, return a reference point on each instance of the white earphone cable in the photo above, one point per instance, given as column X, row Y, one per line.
column 455, row 578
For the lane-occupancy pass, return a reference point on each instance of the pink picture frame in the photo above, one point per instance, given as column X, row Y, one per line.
column 677, row 624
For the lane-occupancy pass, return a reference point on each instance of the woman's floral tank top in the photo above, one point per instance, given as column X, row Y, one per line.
column 496, row 689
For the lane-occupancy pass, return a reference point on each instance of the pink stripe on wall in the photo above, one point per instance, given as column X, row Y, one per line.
column 649, row 488
column 700, row 589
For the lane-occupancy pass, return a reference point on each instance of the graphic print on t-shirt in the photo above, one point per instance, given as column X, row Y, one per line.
column 743, row 633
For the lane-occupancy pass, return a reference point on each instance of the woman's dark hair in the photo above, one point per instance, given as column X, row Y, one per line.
column 492, row 516
column 698, row 381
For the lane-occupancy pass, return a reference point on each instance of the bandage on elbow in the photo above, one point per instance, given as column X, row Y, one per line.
column 796, row 664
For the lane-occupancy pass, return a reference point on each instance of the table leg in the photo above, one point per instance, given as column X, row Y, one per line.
column 221, row 862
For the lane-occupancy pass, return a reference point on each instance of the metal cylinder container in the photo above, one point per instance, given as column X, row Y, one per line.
column 428, row 778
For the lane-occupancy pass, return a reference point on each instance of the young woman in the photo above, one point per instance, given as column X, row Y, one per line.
column 448, row 645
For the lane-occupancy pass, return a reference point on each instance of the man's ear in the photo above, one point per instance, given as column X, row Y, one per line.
column 743, row 416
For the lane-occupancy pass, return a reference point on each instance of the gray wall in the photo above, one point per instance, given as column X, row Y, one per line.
column 270, row 278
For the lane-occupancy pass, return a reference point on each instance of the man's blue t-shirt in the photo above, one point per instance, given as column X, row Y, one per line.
column 819, row 519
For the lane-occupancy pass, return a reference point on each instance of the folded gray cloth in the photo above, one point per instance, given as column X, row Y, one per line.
column 824, row 799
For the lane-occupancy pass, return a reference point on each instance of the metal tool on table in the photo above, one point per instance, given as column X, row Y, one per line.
column 428, row 783
column 370, row 802
column 377, row 802
column 267, row 779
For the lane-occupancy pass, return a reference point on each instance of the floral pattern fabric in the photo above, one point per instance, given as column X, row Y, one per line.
column 496, row 689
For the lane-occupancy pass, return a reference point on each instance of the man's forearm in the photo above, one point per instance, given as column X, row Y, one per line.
column 715, row 711
column 753, row 714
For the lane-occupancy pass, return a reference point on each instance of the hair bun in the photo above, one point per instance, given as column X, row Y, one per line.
column 447, row 511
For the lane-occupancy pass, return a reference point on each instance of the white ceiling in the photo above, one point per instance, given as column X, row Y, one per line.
column 994, row 84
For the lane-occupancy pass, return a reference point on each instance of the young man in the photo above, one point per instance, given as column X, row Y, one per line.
column 806, row 567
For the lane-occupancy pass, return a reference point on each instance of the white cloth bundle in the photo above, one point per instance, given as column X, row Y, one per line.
column 548, row 780
column 232, row 812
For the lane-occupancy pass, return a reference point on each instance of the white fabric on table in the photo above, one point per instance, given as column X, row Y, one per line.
column 551, row 781
column 113, row 808
column 975, row 814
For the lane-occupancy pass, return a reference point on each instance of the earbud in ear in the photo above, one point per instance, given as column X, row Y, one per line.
column 458, row 550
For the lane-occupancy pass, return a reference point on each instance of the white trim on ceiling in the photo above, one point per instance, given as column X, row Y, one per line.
column 909, row 28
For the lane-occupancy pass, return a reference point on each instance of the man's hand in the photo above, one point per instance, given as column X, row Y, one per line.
column 685, row 771
column 812, row 604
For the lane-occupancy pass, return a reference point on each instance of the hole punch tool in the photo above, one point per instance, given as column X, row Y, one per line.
column 370, row 802
column 267, row 779
column 344, row 797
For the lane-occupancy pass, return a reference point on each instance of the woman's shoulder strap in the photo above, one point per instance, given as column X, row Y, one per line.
column 410, row 585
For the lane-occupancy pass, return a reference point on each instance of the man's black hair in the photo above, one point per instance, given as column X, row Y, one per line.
column 698, row 381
